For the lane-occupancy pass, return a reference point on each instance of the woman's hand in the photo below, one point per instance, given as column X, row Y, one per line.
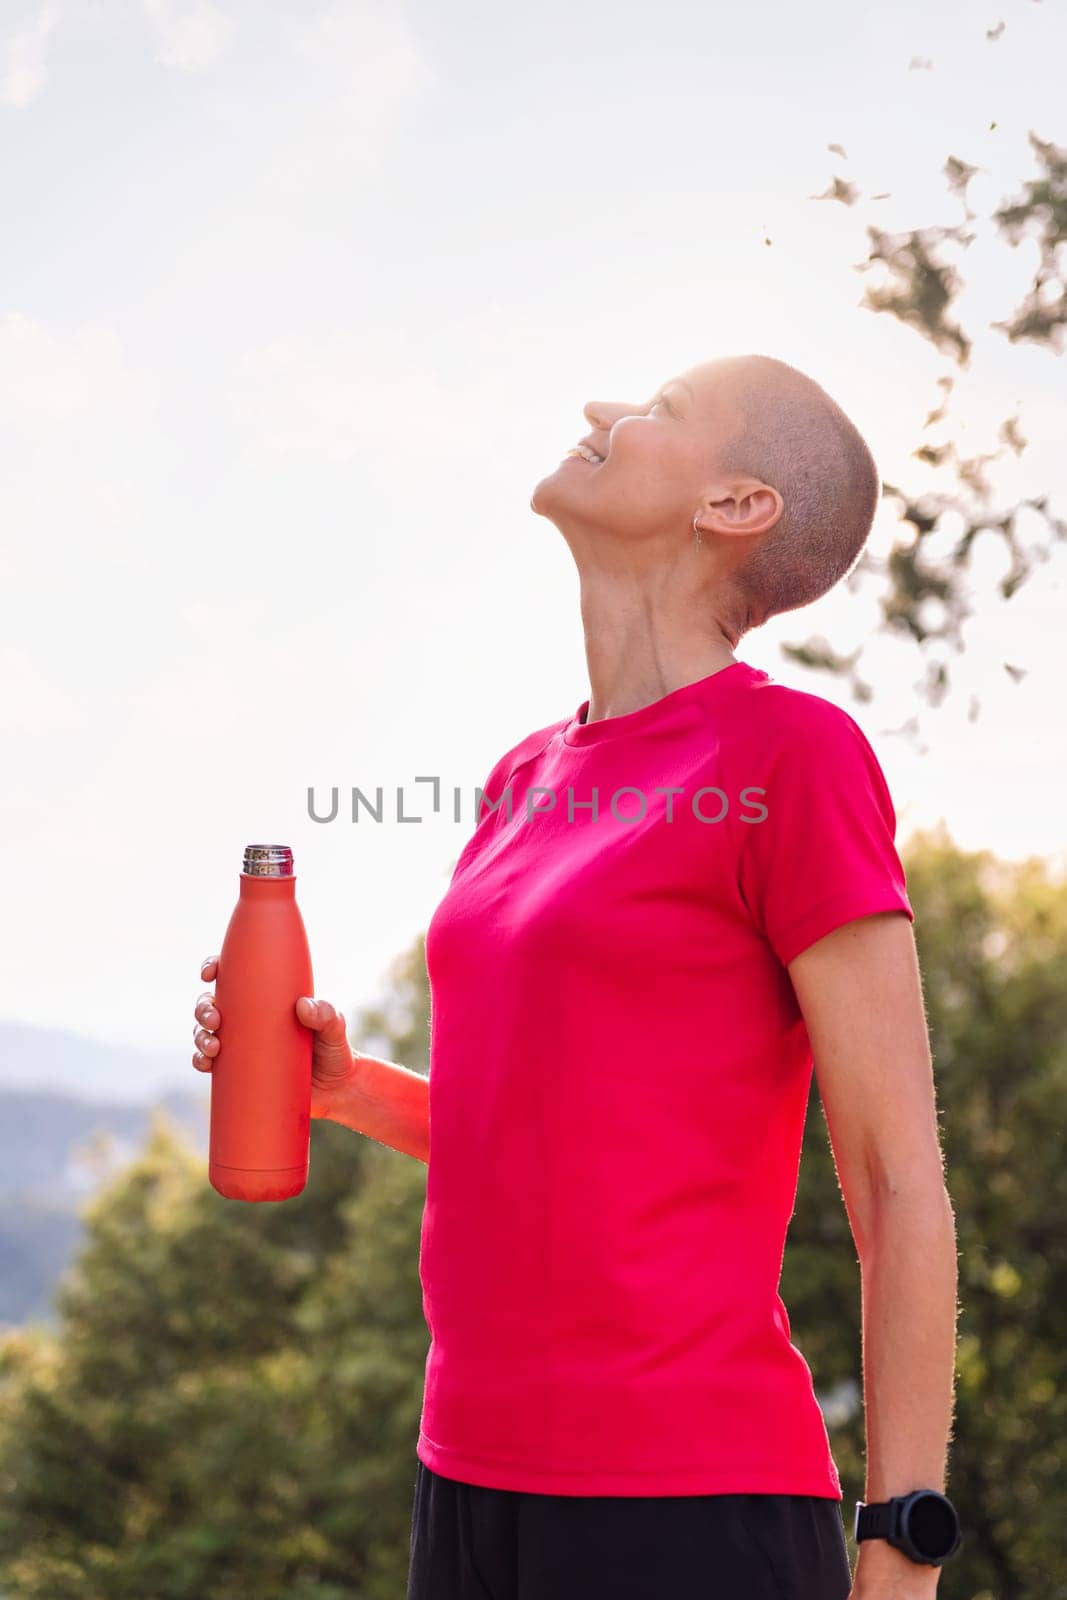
column 333, row 1061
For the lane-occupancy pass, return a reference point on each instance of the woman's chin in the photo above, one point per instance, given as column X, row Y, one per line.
column 558, row 485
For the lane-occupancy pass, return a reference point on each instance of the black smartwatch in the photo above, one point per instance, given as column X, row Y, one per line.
column 923, row 1524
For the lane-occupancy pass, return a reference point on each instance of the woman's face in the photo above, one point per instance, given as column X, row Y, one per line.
column 658, row 460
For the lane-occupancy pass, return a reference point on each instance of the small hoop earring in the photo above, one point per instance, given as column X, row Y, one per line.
column 696, row 530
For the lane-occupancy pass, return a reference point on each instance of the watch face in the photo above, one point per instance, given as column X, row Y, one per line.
column 932, row 1526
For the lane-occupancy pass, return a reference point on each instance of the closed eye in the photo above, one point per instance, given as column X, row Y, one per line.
column 661, row 400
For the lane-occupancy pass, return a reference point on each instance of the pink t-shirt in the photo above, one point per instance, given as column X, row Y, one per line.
column 619, row 1074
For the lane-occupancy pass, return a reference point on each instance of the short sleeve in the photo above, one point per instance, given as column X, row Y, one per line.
column 825, row 853
column 488, row 798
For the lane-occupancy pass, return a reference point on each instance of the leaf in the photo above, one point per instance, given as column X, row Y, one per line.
column 839, row 189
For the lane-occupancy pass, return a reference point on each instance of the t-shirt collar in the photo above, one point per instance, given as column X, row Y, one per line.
column 659, row 714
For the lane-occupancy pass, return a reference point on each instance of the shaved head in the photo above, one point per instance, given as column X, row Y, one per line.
column 796, row 439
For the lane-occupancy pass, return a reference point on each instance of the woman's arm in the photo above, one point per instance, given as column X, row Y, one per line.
column 388, row 1103
column 860, row 991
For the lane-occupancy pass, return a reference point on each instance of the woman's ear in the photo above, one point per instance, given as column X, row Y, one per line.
column 749, row 507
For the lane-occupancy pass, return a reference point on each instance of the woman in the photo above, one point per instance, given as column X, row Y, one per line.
column 669, row 899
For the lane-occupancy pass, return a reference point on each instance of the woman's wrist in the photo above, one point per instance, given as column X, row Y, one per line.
column 386, row 1102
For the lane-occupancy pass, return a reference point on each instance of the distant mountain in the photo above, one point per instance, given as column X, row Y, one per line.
column 43, row 1132
column 55, row 1150
column 53, row 1058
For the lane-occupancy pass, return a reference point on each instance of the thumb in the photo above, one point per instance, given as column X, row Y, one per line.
column 321, row 1016
column 317, row 1014
column 332, row 1054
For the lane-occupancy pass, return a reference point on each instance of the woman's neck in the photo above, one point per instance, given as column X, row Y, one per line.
column 628, row 672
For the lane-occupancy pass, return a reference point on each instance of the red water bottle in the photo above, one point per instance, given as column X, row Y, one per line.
column 261, row 1079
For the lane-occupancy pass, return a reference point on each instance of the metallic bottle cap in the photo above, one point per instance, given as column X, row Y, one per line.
column 268, row 861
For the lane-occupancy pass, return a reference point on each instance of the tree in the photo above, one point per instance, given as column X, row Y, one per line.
column 992, row 941
column 229, row 1405
column 230, row 1402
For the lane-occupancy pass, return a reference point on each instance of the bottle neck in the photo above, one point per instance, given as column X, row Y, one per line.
column 256, row 887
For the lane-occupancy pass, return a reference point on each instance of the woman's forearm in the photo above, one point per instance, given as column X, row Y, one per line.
column 910, row 1279
column 388, row 1103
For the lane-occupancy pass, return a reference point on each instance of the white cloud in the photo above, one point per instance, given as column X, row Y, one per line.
column 338, row 400
column 80, row 450
column 48, row 378
column 372, row 44
column 30, row 704
column 189, row 35
column 23, row 58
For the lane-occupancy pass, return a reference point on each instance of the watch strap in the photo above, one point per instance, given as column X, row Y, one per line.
column 877, row 1520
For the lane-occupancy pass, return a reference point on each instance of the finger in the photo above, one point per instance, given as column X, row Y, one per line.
column 208, row 968
column 206, row 1011
column 202, row 1064
column 206, row 1042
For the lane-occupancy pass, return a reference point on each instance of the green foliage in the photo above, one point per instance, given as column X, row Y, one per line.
column 208, row 1420
column 992, row 941
column 399, row 1028
column 230, row 1404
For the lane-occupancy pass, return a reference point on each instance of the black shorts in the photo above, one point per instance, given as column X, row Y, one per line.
column 471, row 1543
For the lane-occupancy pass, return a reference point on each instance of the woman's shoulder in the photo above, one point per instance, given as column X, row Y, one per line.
column 779, row 714
column 527, row 749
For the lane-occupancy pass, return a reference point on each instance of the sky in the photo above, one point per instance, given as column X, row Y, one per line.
column 297, row 304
